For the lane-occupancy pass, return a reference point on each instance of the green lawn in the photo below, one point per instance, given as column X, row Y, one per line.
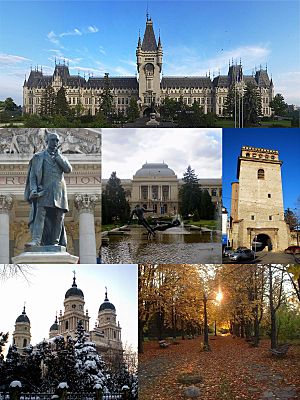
column 109, row 227
column 207, row 223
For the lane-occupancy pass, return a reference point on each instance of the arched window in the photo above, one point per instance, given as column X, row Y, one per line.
column 247, row 154
column 260, row 174
column 24, row 342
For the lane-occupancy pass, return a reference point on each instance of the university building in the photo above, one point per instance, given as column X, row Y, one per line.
column 149, row 88
column 257, row 212
column 156, row 186
column 82, row 147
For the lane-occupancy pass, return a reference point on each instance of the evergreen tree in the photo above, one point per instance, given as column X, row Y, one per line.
column 190, row 192
column 207, row 208
column 13, row 366
column 229, row 102
column 61, row 105
column 9, row 104
column 48, row 100
column 48, row 365
column 168, row 109
column 3, row 341
column 106, row 99
column 252, row 105
column 116, row 206
column 32, row 375
column 278, row 105
column 133, row 110
column 89, row 364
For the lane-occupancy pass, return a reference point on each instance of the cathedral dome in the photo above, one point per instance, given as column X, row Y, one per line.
column 74, row 291
column 54, row 327
column 23, row 317
column 155, row 169
column 107, row 305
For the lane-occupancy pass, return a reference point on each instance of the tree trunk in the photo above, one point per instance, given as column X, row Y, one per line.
column 272, row 311
column 256, row 328
column 205, row 336
column 141, row 336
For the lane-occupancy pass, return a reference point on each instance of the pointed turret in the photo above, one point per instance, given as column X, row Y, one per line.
column 149, row 41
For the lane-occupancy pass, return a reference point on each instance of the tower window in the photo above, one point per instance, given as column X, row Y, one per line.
column 24, row 342
column 269, row 195
column 67, row 324
column 247, row 154
column 252, row 217
column 261, row 174
column 270, row 217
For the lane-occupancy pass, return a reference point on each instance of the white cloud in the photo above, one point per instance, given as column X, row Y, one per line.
column 122, row 71
column 191, row 63
column 93, row 29
column 201, row 148
column 74, row 32
column 53, row 38
column 101, row 50
column 7, row 59
column 288, row 84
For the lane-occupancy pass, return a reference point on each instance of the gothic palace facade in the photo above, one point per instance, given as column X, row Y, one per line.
column 149, row 87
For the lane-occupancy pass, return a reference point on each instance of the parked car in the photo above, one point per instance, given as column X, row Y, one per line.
column 242, row 254
column 227, row 251
column 292, row 250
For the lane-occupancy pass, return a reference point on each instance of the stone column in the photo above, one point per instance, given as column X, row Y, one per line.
column 85, row 204
column 6, row 204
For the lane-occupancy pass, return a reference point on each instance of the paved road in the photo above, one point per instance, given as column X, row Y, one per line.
column 265, row 257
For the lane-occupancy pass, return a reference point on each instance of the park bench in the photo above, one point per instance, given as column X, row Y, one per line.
column 281, row 350
column 163, row 344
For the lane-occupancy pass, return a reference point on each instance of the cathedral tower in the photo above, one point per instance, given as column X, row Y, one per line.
column 107, row 331
column 149, row 55
column 257, row 213
column 73, row 312
column 21, row 335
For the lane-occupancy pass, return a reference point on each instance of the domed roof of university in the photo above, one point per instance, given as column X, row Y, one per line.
column 155, row 169
column 54, row 327
column 74, row 291
column 23, row 317
column 107, row 305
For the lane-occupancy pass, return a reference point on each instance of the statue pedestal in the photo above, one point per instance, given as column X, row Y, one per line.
column 152, row 121
column 45, row 255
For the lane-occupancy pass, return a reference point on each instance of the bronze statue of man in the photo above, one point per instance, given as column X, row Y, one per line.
column 47, row 194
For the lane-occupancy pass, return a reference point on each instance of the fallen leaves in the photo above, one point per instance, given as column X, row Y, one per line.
column 232, row 370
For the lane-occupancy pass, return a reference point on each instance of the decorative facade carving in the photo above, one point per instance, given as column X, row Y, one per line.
column 6, row 203
column 33, row 140
column 86, row 202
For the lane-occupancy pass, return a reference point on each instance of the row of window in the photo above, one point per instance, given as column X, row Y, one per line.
column 260, row 155
column 270, row 217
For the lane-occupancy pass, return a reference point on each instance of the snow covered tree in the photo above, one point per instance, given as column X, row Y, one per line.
column 3, row 341
column 13, row 367
column 32, row 372
column 89, row 364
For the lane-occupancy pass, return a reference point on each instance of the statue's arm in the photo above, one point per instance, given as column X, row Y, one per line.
column 63, row 163
column 33, row 184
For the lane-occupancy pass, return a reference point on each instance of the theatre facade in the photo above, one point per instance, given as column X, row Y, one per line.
column 82, row 147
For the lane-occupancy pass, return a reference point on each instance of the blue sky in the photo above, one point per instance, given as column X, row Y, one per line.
column 286, row 141
column 44, row 290
column 197, row 36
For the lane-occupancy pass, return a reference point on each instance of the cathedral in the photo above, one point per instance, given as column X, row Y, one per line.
column 150, row 87
column 106, row 333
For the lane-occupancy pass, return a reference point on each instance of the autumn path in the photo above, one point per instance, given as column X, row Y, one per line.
column 232, row 370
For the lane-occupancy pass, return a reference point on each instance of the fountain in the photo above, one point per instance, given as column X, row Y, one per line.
column 175, row 245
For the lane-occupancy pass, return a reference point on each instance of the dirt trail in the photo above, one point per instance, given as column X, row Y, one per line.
column 231, row 370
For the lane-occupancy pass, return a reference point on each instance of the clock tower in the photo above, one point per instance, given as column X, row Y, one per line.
column 149, row 56
column 73, row 312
